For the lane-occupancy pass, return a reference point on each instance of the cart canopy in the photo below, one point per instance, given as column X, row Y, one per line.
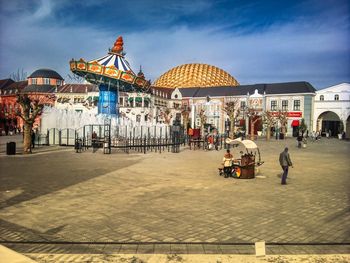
column 248, row 144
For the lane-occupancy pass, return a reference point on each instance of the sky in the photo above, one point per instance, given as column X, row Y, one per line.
column 261, row 41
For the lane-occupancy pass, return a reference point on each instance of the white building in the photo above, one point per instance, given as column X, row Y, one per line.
column 332, row 109
column 295, row 98
column 77, row 97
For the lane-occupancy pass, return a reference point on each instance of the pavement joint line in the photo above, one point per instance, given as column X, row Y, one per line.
column 177, row 243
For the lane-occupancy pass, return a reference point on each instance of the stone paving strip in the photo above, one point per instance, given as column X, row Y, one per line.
column 180, row 258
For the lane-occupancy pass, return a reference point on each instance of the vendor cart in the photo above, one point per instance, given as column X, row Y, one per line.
column 244, row 167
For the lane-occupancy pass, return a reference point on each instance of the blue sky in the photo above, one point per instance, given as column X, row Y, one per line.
column 255, row 41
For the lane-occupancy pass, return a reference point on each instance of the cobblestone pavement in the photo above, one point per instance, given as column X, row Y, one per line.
column 160, row 258
column 172, row 198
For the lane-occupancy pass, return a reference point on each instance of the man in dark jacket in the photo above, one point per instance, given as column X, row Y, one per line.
column 285, row 162
column 299, row 139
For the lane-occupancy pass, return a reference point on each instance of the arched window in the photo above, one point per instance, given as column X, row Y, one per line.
column 321, row 97
column 336, row 97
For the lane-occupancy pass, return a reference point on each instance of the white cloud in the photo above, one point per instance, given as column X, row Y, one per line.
column 45, row 9
column 303, row 50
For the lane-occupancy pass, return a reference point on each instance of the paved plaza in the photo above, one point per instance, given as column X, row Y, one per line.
column 175, row 202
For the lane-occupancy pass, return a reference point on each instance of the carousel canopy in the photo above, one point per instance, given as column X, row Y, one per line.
column 112, row 70
column 115, row 60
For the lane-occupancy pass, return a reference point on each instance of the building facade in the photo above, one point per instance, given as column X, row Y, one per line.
column 295, row 98
column 332, row 110
column 325, row 110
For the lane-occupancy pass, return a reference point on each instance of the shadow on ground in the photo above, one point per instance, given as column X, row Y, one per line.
column 21, row 182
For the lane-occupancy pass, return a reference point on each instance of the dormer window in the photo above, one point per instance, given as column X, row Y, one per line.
column 46, row 81
column 322, row 98
column 336, row 97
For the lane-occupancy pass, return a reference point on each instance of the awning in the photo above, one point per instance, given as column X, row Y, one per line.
column 246, row 143
column 295, row 123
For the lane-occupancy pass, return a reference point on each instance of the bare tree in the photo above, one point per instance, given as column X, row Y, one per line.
column 283, row 119
column 166, row 115
column 20, row 75
column 254, row 117
column 31, row 106
column 203, row 119
column 75, row 78
column 232, row 112
column 269, row 120
column 185, row 112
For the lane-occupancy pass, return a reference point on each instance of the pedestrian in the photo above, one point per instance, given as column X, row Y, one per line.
column 94, row 141
column 227, row 163
column 299, row 139
column 33, row 138
column 285, row 162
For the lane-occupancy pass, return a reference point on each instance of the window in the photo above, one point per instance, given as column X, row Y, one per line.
column 242, row 105
column 121, row 101
column 146, row 103
column 284, row 105
column 296, row 105
column 34, row 81
column 274, row 105
column 336, row 97
column 322, row 97
column 46, row 81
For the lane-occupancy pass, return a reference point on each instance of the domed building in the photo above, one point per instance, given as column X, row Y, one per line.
column 44, row 80
column 205, row 90
column 195, row 75
column 41, row 82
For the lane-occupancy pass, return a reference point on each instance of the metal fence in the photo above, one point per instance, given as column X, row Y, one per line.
column 136, row 139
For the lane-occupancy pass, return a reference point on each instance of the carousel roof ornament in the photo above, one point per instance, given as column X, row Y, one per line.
column 118, row 45
column 112, row 70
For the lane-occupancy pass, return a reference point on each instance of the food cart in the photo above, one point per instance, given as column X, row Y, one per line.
column 244, row 167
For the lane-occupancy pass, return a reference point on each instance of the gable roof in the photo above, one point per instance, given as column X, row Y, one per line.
column 5, row 83
column 14, row 88
column 341, row 87
column 40, row 88
column 164, row 91
column 77, row 88
column 242, row 90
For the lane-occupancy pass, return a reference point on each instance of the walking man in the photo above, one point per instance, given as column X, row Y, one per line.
column 285, row 162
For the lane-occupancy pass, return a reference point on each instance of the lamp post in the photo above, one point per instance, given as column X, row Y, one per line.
column 246, row 115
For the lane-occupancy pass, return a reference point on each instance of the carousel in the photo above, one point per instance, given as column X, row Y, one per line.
column 113, row 74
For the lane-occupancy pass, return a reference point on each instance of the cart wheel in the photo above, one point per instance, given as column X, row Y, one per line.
column 238, row 172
